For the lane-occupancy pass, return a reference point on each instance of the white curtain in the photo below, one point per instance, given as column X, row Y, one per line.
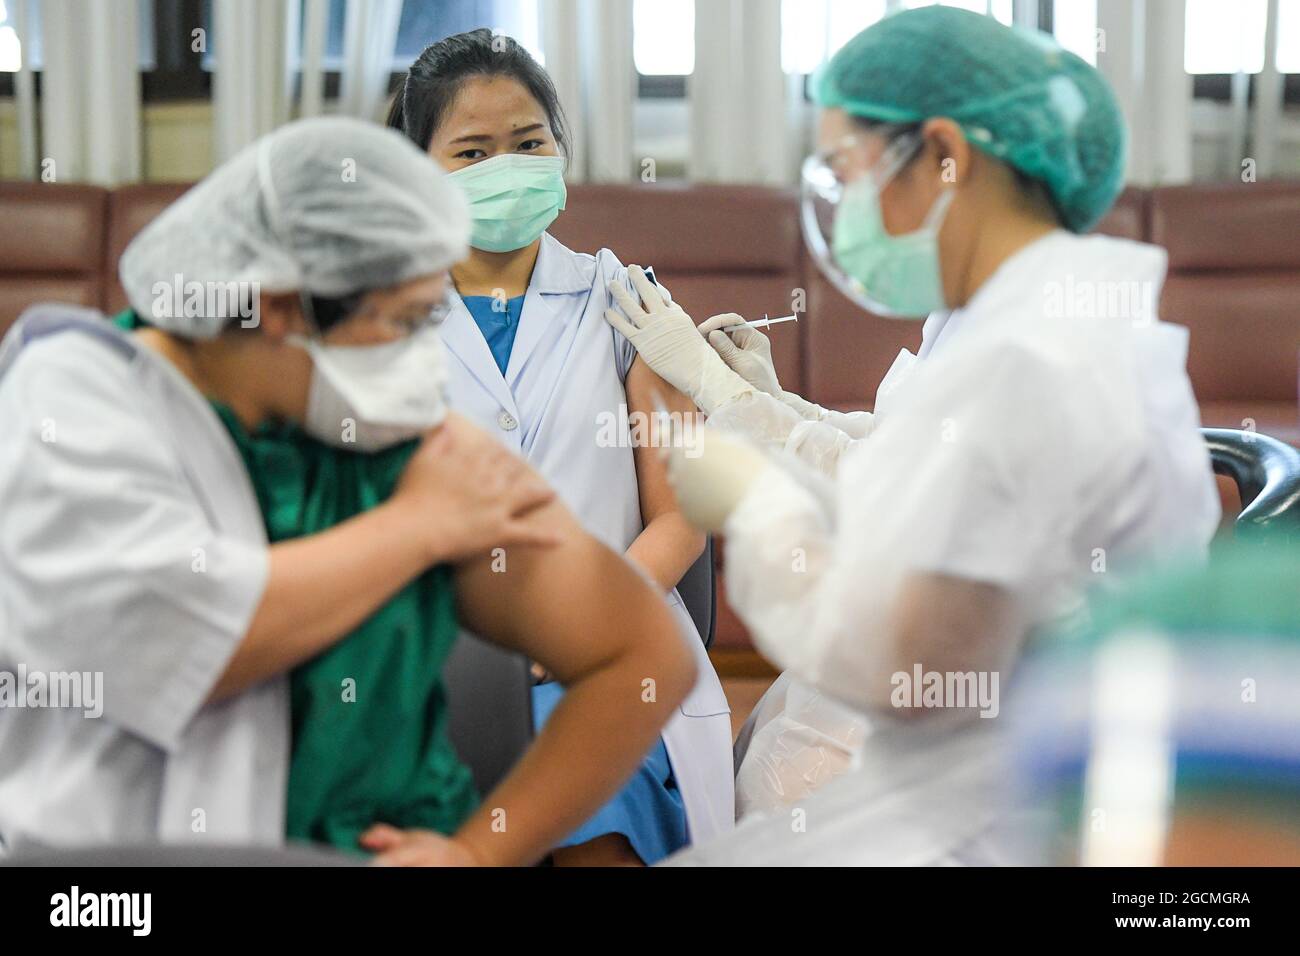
column 609, row 77
column 251, row 78
column 562, row 47
column 1143, row 60
column 90, row 92
column 1269, row 90
column 315, row 27
column 738, row 94
column 21, row 12
column 588, row 50
column 369, row 39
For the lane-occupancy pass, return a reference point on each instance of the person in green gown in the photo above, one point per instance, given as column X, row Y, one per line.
column 279, row 527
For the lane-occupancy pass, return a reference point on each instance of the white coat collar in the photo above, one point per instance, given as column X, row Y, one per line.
column 1018, row 287
column 557, row 272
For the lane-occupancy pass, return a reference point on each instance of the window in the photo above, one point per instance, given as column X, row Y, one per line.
column 663, row 37
column 10, row 49
column 422, row 22
column 1000, row 9
column 170, row 70
column 1074, row 24
column 1288, row 36
column 1225, row 37
column 1222, row 40
column 11, row 54
column 812, row 30
column 426, row 21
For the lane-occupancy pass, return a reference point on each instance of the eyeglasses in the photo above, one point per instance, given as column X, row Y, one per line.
column 405, row 326
column 369, row 326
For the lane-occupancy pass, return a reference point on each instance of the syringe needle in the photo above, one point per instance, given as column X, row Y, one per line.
column 764, row 322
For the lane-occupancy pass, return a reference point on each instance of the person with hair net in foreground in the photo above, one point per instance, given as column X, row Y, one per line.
column 1043, row 438
column 255, row 518
column 1161, row 731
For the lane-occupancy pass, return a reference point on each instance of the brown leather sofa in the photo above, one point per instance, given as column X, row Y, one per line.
column 1234, row 279
column 1234, row 274
column 51, row 246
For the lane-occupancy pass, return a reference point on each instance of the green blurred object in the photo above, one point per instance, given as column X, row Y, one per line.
column 1175, row 695
column 1246, row 592
column 369, row 715
column 1017, row 94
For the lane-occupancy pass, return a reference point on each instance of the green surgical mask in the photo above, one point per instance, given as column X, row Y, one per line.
column 513, row 198
column 899, row 275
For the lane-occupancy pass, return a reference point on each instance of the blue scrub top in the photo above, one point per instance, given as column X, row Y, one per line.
column 649, row 810
column 498, row 327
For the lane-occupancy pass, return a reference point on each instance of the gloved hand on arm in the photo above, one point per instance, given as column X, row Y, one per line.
column 666, row 337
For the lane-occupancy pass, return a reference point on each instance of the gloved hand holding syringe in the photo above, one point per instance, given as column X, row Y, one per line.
column 746, row 350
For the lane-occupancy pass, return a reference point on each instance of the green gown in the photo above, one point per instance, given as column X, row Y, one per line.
column 369, row 715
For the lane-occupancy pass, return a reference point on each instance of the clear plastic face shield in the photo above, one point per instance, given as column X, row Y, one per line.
column 843, row 227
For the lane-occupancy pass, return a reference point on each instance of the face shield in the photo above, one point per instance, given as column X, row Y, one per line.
column 844, row 230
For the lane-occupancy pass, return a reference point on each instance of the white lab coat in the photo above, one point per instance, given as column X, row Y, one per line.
column 131, row 544
column 560, row 400
column 1038, row 452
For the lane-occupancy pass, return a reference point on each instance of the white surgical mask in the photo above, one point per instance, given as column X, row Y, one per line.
column 370, row 397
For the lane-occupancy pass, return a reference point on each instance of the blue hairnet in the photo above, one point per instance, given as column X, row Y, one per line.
column 1016, row 93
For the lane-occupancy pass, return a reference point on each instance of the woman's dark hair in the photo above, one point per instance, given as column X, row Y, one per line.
column 438, row 73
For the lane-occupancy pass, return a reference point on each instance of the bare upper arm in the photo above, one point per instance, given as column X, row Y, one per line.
column 572, row 607
column 947, row 624
column 645, row 390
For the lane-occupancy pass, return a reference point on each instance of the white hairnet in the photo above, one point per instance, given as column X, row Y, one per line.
column 330, row 206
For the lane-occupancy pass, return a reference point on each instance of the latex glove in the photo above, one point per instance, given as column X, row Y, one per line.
column 710, row 474
column 666, row 337
column 747, row 352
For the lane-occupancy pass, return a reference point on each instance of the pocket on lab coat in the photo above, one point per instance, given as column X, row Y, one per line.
column 706, row 698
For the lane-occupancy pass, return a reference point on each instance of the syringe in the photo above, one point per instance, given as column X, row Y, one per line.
column 764, row 322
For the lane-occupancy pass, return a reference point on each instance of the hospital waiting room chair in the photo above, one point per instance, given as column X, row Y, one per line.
column 1267, row 474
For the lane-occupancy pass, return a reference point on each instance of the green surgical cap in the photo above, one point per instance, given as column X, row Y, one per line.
column 1016, row 93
